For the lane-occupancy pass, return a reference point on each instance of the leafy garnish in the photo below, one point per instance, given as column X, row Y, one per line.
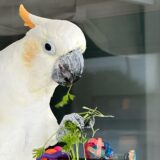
column 37, row 153
column 91, row 114
column 66, row 98
column 94, row 113
column 72, row 139
column 74, row 136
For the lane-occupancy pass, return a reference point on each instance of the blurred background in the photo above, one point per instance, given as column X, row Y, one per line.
column 122, row 65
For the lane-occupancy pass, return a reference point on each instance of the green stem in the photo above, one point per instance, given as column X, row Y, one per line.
column 96, row 113
column 86, row 116
column 49, row 139
column 84, row 107
column 69, row 90
column 94, row 132
column 84, row 152
column 82, row 113
column 77, row 153
column 72, row 153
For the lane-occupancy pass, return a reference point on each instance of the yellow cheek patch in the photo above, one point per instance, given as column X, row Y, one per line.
column 24, row 14
column 31, row 50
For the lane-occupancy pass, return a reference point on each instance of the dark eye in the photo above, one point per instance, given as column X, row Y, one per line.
column 48, row 47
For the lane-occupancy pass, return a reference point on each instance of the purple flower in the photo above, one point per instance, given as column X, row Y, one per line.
column 54, row 154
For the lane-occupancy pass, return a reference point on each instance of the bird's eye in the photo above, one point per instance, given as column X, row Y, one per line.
column 49, row 48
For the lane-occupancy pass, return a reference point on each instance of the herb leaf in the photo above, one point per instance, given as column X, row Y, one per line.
column 65, row 99
column 71, row 97
column 63, row 102
column 37, row 153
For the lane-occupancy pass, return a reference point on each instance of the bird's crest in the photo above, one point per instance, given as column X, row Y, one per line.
column 24, row 14
column 29, row 19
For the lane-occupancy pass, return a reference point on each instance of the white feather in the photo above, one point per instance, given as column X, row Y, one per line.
column 26, row 120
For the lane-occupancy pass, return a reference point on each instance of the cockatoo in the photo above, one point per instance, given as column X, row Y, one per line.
column 49, row 54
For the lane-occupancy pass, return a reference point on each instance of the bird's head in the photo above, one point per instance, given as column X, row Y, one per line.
column 53, row 48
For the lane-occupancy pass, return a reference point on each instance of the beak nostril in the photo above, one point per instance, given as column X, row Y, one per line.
column 61, row 67
column 64, row 67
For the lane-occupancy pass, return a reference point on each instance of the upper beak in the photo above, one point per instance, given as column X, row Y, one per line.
column 68, row 68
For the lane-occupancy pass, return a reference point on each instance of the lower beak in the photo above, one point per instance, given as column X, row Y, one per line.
column 68, row 68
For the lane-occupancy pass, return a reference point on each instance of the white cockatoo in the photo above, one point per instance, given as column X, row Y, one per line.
column 49, row 54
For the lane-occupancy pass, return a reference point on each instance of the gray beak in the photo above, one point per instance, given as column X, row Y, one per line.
column 68, row 68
